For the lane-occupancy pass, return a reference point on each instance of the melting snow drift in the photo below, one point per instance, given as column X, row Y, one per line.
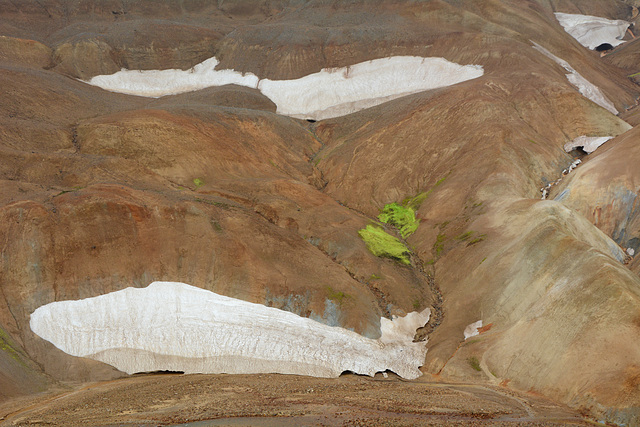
column 592, row 31
column 331, row 92
column 472, row 329
column 176, row 327
column 157, row 83
column 585, row 87
column 588, row 143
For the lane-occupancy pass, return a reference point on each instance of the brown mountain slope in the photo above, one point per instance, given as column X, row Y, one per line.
column 605, row 191
column 102, row 191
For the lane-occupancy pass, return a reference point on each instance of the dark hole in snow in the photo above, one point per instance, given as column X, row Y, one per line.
column 578, row 152
column 382, row 374
column 161, row 373
column 351, row 373
column 604, row 47
column 311, row 120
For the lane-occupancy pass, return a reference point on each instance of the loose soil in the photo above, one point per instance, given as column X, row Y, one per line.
column 283, row 400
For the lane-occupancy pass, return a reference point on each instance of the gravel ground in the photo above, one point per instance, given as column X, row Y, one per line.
column 283, row 400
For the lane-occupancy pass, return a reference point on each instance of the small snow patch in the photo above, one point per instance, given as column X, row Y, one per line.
column 589, row 144
column 586, row 88
column 472, row 329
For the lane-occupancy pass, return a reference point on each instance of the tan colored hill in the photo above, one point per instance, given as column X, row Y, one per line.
column 101, row 191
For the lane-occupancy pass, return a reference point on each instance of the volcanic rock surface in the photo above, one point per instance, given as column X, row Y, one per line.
column 101, row 191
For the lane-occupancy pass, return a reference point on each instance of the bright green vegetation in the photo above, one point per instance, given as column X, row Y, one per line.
column 198, row 182
column 474, row 363
column 634, row 75
column 384, row 245
column 401, row 217
column 374, row 276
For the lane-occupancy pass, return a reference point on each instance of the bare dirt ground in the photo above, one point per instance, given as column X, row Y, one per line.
column 277, row 400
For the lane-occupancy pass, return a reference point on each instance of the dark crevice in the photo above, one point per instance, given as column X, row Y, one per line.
column 604, row 47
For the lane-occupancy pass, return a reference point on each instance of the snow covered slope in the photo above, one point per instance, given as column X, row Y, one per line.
column 176, row 327
column 592, row 31
column 331, row 92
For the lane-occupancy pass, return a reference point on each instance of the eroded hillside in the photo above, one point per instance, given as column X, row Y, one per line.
column 102, row 191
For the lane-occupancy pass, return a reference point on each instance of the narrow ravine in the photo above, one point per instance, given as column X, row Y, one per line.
column 546, row 190
column 437, row 310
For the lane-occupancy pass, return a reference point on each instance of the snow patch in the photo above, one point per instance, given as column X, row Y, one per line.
column 157, row 83
column 402, row 329
column 592, row 31
column 177, row 327
column 586, row 88
column 472, row 329
column 339, row 91
column 331, row 92
column 588, row 143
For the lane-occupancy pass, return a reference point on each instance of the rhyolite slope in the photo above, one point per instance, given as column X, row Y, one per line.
column 101, row 191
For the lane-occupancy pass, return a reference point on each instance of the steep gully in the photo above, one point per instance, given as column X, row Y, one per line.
column 437, row 311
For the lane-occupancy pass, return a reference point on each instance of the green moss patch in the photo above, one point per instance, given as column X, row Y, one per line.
column 401, row 217
column 337, row 296
column 438, row 246
column 382, row 244
column 464, row 236
column 478, row 239
column 415, row 201
column 7, row 346
column 474, row 363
